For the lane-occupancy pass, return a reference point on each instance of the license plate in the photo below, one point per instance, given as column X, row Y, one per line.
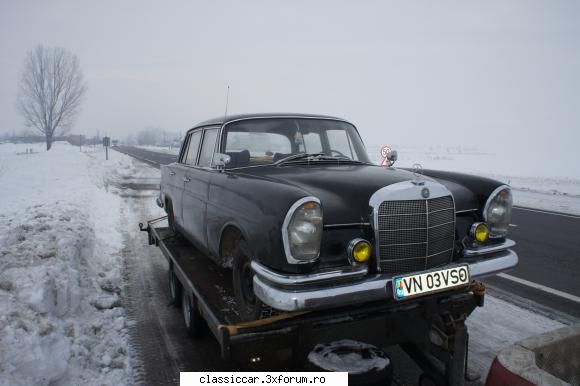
column 424, row 283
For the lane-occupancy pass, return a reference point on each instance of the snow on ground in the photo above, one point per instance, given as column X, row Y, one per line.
column 60, row 267
column 541, row 186
column 499, row 324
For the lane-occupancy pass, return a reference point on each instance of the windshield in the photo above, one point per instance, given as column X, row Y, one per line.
column 255, row 142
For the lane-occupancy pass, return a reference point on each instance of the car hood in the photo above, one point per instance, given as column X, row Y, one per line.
column 344, row 190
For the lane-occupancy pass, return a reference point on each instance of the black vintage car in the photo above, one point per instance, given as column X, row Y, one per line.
column 292, row 204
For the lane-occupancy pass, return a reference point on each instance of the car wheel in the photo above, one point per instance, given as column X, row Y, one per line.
column 175, row 288
column 248, row 305
column 191, row 316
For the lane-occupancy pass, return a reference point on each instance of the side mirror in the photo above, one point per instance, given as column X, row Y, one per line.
column 220, row 160
column 392, row 157
column 389, row 156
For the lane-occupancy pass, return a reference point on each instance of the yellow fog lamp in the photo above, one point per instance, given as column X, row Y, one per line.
column 360, row 250
column 480, row 232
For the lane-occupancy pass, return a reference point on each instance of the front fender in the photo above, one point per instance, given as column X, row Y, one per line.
column 257, row 207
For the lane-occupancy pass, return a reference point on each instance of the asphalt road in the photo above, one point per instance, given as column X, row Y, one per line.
column 548, row 245
column 152, row 158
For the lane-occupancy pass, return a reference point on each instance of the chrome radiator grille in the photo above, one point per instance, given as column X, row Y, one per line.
column 415, row 234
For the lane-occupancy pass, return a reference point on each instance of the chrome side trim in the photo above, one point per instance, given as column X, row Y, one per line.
column 287, row 219
column 368, row 289
column 466, row 211
column 487, row 249
column 282, row 279
column 352, row 224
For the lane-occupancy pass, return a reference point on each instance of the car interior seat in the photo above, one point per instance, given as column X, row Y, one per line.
column 238, row 159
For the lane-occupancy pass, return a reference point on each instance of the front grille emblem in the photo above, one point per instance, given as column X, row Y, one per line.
column 417, row 170
column 425, row 192
column 418, row 173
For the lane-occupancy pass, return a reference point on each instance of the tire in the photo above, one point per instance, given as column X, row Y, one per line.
column 249, row 307
column 372, row 376
column 194, row 322
column 175, row 288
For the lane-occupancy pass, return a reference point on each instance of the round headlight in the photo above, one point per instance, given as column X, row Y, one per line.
column 480, row 232
column 497, row 212
column 303, row 231
column 360, row 250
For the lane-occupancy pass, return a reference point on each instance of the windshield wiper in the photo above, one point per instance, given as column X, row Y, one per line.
column 298, row 156
column 317, row 157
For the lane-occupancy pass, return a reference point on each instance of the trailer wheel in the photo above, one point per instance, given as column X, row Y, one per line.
column 248, row 305
column 175, row 288
column 191, row 316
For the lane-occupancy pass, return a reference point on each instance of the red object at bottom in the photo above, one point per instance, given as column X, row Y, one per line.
column 500, row 376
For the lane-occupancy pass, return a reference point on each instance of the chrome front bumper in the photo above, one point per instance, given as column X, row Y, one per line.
column 317, row 291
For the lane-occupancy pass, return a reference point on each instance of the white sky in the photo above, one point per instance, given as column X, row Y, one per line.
column 494, row 74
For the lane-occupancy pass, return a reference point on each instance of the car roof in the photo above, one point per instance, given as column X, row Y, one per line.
column 230, row 118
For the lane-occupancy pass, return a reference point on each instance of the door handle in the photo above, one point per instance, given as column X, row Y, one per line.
column 171, row 173
column 185, row 179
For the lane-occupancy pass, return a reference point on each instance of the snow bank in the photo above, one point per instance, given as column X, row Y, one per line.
column 62, row 320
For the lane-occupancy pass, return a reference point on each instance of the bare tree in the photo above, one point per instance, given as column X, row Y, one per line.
column 51, row 91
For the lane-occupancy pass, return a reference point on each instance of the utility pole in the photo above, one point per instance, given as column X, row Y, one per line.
column 106, row 144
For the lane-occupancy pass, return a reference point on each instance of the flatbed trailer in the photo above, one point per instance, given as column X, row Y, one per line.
column 430, row 329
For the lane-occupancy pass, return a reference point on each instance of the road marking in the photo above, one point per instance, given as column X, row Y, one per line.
column 513, row 225
column 547, row 212
column 540, row 287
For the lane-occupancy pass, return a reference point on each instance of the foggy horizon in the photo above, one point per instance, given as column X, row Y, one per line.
column 494, row 75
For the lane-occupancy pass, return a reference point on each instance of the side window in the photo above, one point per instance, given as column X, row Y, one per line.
column 194, row 140
column 183, row 152
column 207, row 149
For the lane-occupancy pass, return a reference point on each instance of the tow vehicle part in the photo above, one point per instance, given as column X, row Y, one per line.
column 287, row 338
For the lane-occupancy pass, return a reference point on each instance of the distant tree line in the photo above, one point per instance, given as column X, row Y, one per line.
column 154, row 136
